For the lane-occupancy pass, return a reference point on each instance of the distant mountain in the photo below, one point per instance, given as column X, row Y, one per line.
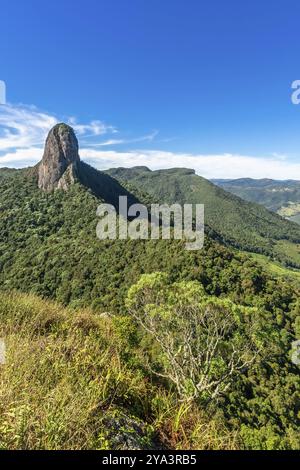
column 282, row 197
column 235, row 222
column 8, row 171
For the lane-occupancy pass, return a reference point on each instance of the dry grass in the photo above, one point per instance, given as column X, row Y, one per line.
column 64, row 372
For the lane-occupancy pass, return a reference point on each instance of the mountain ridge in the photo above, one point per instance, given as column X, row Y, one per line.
column 280, row 196
column 241, row 224
column 229, row 219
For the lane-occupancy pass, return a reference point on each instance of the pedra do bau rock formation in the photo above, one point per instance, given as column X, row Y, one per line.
column 59, row 166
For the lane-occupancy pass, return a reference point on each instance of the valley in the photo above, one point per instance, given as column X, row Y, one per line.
column 282, row 197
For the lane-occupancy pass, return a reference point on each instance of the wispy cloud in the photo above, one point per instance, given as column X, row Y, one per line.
column 145, row 138
column 23, row 130
column 94, row 128
column 23, row 126
column 26, row 127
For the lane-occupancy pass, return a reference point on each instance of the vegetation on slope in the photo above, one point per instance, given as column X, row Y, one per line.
column 244, row 225
column 76, row 379
column 75, row 375
column 282, row 197
column 48, row 246
column 72, row 380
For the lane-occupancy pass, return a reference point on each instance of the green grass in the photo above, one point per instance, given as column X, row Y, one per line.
column 290, row 210
column 276, row 268
column 290, row 251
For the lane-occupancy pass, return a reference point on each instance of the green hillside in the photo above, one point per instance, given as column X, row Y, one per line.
column 236, row 222
column 83, row 372
column 48, row 246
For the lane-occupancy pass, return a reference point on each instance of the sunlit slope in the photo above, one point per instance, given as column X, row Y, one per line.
column 245, row 225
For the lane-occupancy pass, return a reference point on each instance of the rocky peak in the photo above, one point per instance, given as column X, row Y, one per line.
column 57, row 169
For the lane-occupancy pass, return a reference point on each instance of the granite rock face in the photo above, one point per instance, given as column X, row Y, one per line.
column 58, row 167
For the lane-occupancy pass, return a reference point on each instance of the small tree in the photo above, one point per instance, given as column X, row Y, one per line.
column 204, row 341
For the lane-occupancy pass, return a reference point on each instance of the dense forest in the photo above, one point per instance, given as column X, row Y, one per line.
column 236, row 222
column 89, row 345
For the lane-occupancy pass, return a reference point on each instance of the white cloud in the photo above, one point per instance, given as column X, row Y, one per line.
column 21, row 158
column 145, row 138
column 23, row 126
column 23, row 130
column 209, row 166
column 109, row 142
column 94, row 128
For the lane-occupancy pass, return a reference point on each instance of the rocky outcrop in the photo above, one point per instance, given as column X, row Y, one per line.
column 60, row 161
column 124, row 432
column 61, row 167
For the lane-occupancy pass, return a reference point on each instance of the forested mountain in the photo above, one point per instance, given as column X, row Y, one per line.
column 238, row 223
column 96, row 370
column 282, row 197
column 48, row 245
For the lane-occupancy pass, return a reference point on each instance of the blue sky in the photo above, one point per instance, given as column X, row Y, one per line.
column 156, row 82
